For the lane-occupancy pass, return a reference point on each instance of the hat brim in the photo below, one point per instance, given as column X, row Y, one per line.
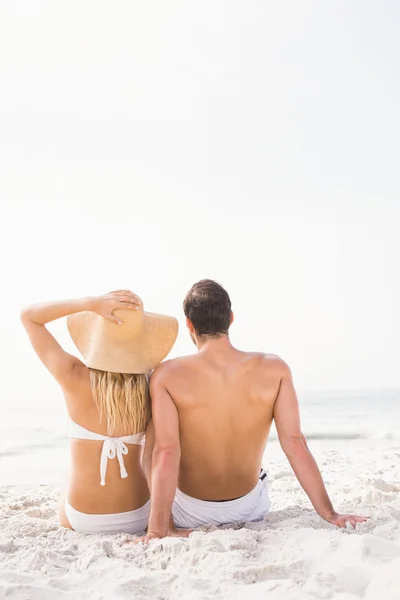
column 139, row 354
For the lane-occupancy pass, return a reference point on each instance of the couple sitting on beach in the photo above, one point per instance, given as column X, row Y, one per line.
column 189, row 433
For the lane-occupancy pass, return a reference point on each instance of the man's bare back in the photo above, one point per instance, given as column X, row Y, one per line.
column 225, row 402
column 212, row 414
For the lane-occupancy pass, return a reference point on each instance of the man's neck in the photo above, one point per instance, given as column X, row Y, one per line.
column 206, row 343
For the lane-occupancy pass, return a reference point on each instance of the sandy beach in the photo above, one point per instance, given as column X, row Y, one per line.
column 292, row 555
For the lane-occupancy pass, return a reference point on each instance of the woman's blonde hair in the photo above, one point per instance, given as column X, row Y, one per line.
column 122, row 399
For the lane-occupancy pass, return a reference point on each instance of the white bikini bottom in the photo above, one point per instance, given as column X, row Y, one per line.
column 190, row 512
column 133, row 521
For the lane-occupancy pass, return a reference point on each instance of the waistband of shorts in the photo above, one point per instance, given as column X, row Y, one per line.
column 228, row 503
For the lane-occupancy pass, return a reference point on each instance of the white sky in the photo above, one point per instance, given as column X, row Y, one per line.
column 151, row 144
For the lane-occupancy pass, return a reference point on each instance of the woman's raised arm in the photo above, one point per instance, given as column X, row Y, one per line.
column 34, row 318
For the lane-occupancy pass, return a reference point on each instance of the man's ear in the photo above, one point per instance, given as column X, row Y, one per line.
column 232, row 319
column 189, row 325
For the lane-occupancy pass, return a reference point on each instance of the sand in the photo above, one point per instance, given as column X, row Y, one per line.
column 292, row 555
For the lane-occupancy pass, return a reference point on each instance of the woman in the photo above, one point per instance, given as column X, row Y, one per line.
column 108, row 403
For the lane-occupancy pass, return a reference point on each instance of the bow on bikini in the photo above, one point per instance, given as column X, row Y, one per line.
column 112, row 447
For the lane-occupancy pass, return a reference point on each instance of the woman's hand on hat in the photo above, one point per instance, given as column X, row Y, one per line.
column 106, row 304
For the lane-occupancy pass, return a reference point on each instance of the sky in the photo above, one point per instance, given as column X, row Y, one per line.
column 146, row 145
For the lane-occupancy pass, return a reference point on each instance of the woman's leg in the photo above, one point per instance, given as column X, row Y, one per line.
column 61, row 509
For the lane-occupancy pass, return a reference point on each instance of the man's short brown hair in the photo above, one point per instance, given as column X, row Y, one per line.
column 208, row 306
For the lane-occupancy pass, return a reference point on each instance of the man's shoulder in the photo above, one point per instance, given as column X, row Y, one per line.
column 172, row 365
column 272, row 362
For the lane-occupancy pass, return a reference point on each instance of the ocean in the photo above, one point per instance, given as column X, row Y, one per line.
column 34, row 446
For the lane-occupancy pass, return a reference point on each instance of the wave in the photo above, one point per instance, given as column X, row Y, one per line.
column 348, row 435
column 56, row 442
column 336, row 436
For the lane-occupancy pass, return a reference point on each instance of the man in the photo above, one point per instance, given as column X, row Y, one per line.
column 212, row 413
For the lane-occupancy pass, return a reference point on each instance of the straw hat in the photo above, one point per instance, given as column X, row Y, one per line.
column 138, row 345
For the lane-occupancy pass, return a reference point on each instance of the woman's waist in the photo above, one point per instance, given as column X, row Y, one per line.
column 118, row 495
column 92, row 484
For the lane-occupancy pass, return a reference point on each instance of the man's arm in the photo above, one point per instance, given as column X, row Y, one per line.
column 166, row 456
column 287, row 420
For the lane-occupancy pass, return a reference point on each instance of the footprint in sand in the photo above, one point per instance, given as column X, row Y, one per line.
column 40, row 513
column 256, row 574
column 383, row 486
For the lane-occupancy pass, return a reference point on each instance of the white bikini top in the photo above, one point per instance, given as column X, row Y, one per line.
column 112, row 446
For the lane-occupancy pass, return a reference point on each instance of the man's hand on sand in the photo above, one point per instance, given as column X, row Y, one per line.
column 173, row 532
column 341, row 520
